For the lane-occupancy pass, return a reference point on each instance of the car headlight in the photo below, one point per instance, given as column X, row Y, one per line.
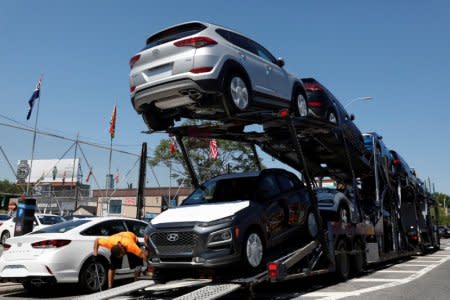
column 216, row 222
column 220, row 237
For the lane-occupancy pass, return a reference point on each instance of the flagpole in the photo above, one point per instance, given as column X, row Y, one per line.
column 34, row 138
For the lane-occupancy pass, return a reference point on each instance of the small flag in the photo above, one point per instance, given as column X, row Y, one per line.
column 172, row 146
column 33, row 98
column 112, row 123
column 116, row 176
column 89, row 175
column 213, row 148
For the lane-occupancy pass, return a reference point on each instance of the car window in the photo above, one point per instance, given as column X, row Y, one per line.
column 174, row 33
column 136, row 227
column 242, row 42
column 105, row 228
column 50, row 220
column 61, row 227
column 263, row 53
column 225, row 34
column 268, row 186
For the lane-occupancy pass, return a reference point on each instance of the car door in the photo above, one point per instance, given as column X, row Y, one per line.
column 277, row 77
column 105, row 229
column 253, row 64
column 274, row 214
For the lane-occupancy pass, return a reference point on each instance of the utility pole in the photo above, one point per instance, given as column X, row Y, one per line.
column 141, row 183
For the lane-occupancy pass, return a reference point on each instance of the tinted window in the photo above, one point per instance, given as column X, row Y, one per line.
column 223, row 190
column 4, row 217
column 105, row 228
column 268, row 186
column 61, row 227
column 50, row 220
column 174, row 33
column 263, row 53
column 136, row 227
column 115, row 206
column 225, row 34
column 242, row 42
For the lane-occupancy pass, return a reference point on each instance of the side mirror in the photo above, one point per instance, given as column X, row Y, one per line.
column 352, row 117
column 280, row 62
column 164, row 208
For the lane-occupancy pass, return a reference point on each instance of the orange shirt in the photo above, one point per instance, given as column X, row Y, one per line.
column 126, row 238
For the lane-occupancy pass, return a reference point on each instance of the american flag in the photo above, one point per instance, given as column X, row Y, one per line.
column 112, row 123
column 33, row 98
column 116, row 176
column 213, row 148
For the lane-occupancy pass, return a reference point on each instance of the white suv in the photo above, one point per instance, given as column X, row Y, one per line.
column 204, row 71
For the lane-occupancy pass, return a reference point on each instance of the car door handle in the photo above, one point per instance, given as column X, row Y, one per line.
column 268, row 70
column 241, row 55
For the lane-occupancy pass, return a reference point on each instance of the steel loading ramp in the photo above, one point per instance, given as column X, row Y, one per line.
column 322, row 142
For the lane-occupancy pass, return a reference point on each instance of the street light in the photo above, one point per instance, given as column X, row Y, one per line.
column 358, row 99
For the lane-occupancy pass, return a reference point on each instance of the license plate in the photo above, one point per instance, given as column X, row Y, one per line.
column 159, row 72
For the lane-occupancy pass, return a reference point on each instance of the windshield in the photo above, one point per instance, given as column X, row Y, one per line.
column 62, row 227
column 50, row 220
column 368, row 142
column 223, row 190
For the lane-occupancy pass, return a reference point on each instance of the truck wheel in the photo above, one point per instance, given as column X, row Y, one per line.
column 5, row 236
column 253, row 250
column 155, row 122
column 300, row 107
column 359, row 259
column 93, row 275
column 342, row 262
column 313, row 228
column 237, row 93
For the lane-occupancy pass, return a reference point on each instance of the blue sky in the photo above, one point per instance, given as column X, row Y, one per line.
column 397, row 52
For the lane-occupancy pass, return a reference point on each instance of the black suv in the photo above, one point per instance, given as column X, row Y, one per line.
column 403, row 172
column 231, row 218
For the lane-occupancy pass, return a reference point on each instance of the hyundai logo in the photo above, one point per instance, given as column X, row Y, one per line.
column 172, row 237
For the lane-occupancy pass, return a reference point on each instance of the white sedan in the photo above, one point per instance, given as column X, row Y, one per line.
column 39, row 221
column 62, row 253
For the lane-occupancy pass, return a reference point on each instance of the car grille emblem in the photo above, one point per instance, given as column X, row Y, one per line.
column 172, row 237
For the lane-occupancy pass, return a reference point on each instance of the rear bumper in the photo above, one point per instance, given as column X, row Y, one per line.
column 26, row 270
column 174, row 94
column 36, row 280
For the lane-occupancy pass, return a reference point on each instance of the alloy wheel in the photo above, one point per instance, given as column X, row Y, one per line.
column 301, row 106
column 254, row 250
column 239, row 93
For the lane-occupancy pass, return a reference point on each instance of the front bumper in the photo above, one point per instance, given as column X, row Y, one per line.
column 195, row 252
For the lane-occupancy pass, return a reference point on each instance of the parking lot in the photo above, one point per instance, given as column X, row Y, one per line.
column 418, row 277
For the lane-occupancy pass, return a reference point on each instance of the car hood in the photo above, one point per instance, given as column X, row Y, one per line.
column 200, row 213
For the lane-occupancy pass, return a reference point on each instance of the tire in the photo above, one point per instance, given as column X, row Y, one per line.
column 237, row 93
column 88, row 279
column 313, row 228
column 155, row 122
column 343, row 215
column 253, row 250
column 300, row 107
column 359, row 259
column 5, row 236
column 342, row 262
column 332, row 117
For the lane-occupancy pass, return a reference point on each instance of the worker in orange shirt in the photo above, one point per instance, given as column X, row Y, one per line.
column 120, row 244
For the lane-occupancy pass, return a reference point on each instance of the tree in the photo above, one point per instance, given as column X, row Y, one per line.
column 9, row 188
column 232, row 157
column 444, row 202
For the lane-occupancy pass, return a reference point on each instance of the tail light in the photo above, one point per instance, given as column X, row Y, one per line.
column 313, row 87
column 134, row 60
column 6, row 246
column 414, row 238
column 272, row 268
column 50, row 244
column 283, row 113
column 396, row 162
column 196, row 42
column 132, row 88
column 314, row 103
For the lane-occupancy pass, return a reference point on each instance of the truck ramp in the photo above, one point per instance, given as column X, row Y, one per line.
column 118, row 291
column 210, row 292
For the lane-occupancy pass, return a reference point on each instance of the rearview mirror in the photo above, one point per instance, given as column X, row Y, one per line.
column 352, row 117
column 280, row 62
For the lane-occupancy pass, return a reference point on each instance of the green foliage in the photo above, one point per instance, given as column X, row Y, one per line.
column 443, row 199
column 232, row 157
column 9, row 188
